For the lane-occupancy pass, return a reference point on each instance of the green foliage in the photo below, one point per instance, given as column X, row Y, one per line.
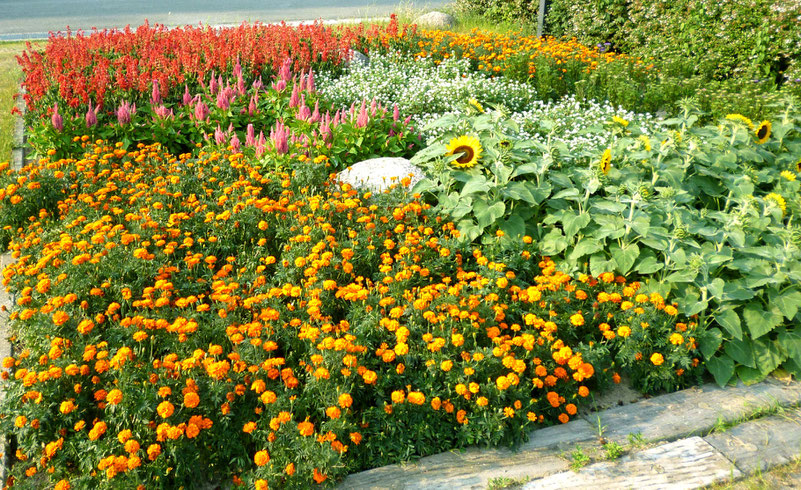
column 578, row 458
column 502, row 10
column 704, row 214
column 613, row 450
column 715, row 39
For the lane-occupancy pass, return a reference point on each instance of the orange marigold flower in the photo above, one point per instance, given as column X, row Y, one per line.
column 289, row 469
column 165, row 409
column 306, row 428
column 657, row 359
column 319, row 477
column 345, row 400
column 261, row 458
column 153, row 451
column 114, row 396
column 563, row 417
column 191, row 399
column 416, row 398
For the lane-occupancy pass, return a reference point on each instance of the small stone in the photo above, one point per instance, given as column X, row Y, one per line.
column 378, row 174
column 356, row 58
column 436, row 20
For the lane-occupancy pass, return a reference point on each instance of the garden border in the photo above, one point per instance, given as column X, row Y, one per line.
column 685, row 434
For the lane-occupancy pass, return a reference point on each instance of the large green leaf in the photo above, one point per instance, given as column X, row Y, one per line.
column 788, row 303
column 741, row 351
column 477, row 184
column 710, row 342
column 514, row 226
column 722, row 368
column 749, row 375
column 585, row 247
column 790, row 341
column 730, row 320
column 625, row 257
column 759, row 321
column 599, row 264
column 767, row 355
column 573, row 222
column 553, row 243
column 648, row 265
column 486, row 215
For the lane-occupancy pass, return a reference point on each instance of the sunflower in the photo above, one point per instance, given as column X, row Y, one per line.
column 740, row 118
column 620, row 121
column 606, row 161
column 778, row 200
column 476, row 104
column 763, row 132
column 470, row 149
column 798, row 166
column 788, row 175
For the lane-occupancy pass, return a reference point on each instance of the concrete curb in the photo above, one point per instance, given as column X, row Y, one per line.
column 19, row 149
column 6, row 302
column 680, row 423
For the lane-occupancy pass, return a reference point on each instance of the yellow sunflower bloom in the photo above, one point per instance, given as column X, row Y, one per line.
column 740, row 118
column 606, row 161
column 620, row 121
column 778, row 200
column 470, row 149
column 788, row 175
column 763, row 132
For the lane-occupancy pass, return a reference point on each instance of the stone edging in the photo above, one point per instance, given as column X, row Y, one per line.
column 19, row 144
column 679, row 422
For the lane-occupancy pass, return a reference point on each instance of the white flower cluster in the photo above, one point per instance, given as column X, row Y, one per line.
column 421, row 86
column 580, row 125
column 426, row 91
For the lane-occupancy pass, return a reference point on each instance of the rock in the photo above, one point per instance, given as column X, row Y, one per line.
column 436, row 20
column 357, row 59
column 378, row 174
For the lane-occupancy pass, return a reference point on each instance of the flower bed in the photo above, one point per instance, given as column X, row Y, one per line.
column 195, row 312
column 216, row 299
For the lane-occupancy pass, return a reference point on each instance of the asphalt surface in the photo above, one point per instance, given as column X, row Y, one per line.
column 34, row 19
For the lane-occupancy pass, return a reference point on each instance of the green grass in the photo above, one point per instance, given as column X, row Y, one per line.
column 10, row 73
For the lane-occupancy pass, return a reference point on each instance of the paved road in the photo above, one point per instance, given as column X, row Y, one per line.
column 26, row 19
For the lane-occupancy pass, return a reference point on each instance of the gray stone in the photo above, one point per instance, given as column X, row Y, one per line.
column 561, row 437
column 19, row 142
column 378, row 174
column 687, row 463
column 356, row 58
column 436, row 20
column 761, row 444
column 693, row 411
column 472, row 468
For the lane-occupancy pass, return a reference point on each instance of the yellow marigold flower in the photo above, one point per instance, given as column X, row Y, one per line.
column 676, row 339
column 577, row 319
column 623, row 331
column 671, row 310
column 657, row 359
column 416, row 398
column 398, row 396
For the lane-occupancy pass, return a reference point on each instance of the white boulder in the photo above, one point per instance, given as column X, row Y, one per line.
column 378, row 174
column 436, row 20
